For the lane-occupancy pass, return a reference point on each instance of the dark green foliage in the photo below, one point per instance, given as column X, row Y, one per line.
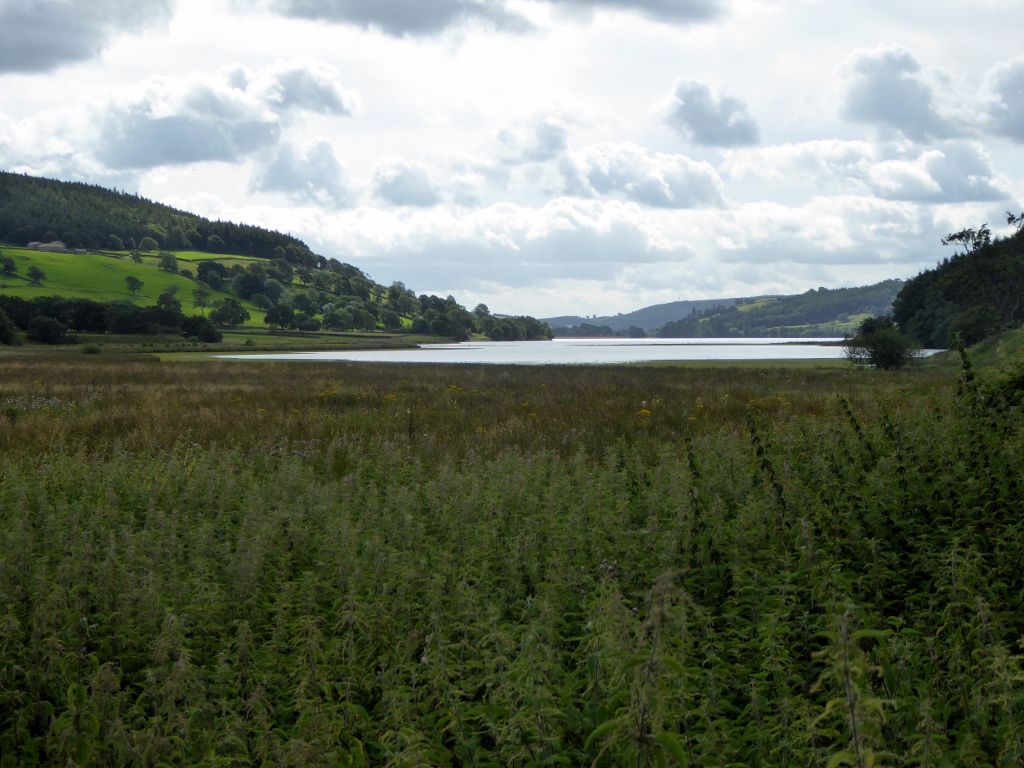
column 228, row 312
column 281, row 316
column 809, row 314
column 46, row 330
column 201, row 329
column 972, row 295
column 35, row 209
column 35, row 274
column 8, row 331
column 148, row 244
column 879, row 343
column 168, row 262
column 305, row 565
column 7, row 265
column 133, row 284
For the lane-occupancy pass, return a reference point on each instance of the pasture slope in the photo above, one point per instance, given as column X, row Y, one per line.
column 101, row 278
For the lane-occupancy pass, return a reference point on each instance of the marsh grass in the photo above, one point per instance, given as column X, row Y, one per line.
column 244, row 564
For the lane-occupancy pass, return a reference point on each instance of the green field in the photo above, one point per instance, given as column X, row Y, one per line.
column 101, row 278
column 307, row 564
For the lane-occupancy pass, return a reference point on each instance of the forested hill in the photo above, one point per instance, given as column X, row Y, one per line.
column 973, row 294
column 821, row 312
column 85, row 216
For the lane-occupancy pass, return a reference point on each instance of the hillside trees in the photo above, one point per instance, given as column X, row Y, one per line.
column 971, row 295
column 38, row 209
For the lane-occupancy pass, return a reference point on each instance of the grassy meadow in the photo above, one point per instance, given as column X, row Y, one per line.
column 101, row 278
column 306, row 564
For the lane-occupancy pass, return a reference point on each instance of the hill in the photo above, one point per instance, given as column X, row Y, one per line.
column 972, row 295
column 249, row 274
column 649, row 318
column 86, row 216
column 821, row 312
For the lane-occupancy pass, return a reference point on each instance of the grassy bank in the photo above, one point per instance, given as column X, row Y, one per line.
column 328, row 564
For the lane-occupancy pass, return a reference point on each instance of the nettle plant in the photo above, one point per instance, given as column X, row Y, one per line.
column 224, row 566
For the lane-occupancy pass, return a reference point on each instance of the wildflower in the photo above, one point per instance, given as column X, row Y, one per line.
column 389, row 398
column 643, row 413
column 295, row 411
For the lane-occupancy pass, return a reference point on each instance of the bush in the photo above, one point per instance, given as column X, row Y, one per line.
column 9, row 335
column 879, row 344
column 202, row 329
column 92, row 349
column 46, row 330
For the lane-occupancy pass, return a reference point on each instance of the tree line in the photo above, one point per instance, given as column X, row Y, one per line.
column 969, row 296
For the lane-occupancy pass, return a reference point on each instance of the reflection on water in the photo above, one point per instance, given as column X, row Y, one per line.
column 580, row 351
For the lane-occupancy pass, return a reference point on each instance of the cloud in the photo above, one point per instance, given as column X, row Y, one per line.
column 954, row 172
column 222, row 117
column 1005, row 83
column 302, row 84
column 885, row 87
column 310, row 174
column 401, row 182
column 403, row 17
column 694, row 112
column 662, row 10
column 41, row 35
column 660, row 181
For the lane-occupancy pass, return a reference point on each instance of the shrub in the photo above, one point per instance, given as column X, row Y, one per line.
column 202, row 329
column 92, row 349
column 879, row 344
column 9, row 335
column 46, row 330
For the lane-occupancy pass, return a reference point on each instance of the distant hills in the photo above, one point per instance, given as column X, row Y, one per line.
column 649, row 318
column 821, row 312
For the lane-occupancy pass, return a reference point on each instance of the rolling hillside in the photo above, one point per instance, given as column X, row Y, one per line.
column 102, row 278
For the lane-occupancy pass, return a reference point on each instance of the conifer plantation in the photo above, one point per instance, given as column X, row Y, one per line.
column 303, row 564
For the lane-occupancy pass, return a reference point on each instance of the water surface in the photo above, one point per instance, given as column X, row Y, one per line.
column 579, row 351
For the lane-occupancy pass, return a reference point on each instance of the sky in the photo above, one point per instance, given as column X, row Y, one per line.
column 546, row 157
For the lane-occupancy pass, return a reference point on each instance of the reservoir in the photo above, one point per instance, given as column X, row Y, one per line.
column 579, row 352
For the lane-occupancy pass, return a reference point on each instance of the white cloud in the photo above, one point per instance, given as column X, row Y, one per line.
column 40, row 35
column 225, row 116
column 1005, row 83
column 703, row 118
column 953, row 172
column 401, row 182
column 885, row 87
column 310, row 174
column 658, row 180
